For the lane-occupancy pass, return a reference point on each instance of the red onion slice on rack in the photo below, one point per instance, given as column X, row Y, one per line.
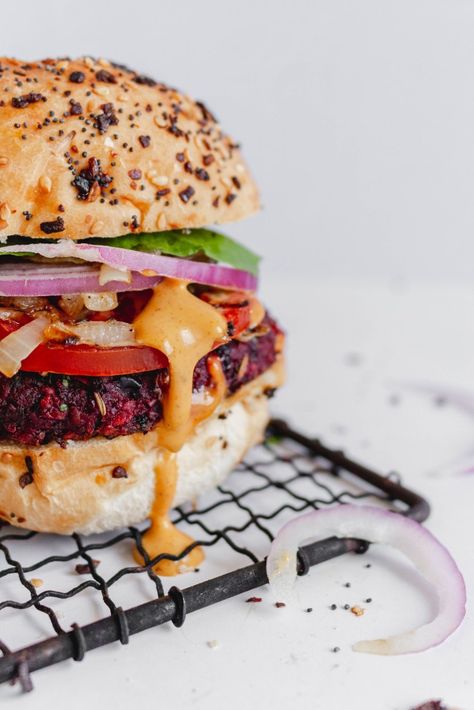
column 430, row 557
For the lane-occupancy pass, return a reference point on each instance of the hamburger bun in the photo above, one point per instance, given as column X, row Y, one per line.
column 74, row 489
column 89, row 148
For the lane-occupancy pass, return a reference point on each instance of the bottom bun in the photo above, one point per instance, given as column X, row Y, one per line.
column 73, row 489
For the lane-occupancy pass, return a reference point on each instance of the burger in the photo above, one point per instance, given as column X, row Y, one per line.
column 136, row 361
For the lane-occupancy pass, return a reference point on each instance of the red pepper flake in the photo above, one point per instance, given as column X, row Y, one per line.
column 280, row 605
column 27, row 477
column 207, row 159
column 188, row 167
column 201, row 174
column 76, row 108
column 27, row 99
column 135, row 174
column 230, row 198
column 105, row 76
column 253, row 600
column 161, row 193
column 77, row 77
column 86, row 568
column 144, row 141
column 143, row 80
column 175, row 131
column 431, row 705
column 53, row 227
column 206, row 114
column 186, row 194
column 119, row 472
column 105, row 119
column 90, row 177
column 180, row 157
column 236, row 182
column 215, row 203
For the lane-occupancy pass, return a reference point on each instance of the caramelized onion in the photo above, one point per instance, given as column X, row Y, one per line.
column 105, row 301
column 104, row 334
column 16, row 346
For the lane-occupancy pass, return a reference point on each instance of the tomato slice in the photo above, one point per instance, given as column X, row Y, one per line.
column 93, row 362
column 88, row 360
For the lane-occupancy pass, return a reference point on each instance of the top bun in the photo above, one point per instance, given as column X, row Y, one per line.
column 91, row 148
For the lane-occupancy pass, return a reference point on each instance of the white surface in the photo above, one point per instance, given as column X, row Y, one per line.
column 281, row 658
column 356, row 117
column 357, row 120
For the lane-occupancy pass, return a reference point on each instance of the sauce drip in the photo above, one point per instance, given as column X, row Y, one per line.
column 185, row 328
column 163, row 536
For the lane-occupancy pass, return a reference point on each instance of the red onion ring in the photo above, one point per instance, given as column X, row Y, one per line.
column 429, row 556
column 31, row 279
column 143, row 262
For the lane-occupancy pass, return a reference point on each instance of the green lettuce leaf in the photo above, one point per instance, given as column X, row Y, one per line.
column 188, row 243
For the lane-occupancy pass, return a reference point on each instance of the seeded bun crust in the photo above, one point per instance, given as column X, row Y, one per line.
column 75, row 490
column 91, row 148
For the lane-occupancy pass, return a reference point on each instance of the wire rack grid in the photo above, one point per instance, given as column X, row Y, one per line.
column 288, row 474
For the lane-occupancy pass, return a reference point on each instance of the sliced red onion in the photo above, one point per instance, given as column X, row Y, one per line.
column 143, row 262
column 428, row 555
column 31, row 279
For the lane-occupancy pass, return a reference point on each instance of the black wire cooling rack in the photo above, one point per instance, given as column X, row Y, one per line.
column 286, row 475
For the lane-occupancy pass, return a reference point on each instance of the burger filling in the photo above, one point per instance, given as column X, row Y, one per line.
column 122, row 336
column 39, row 408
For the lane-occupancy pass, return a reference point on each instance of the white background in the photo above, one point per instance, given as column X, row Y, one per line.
column 357, row 117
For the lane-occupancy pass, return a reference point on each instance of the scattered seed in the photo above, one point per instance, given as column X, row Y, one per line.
column 85, row 568
column 333, row 607
column 100, row 404
column 161, row 221
column 36, row 582
column 347, row 584
column 368, row 600
column 346, row 606
column 213, row 643
column 45, row 183
column 357, row 610
column 309, row 610
column 336, row 649
column 5, row 212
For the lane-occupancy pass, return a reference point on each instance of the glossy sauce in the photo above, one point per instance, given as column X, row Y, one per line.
column 185, row 328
